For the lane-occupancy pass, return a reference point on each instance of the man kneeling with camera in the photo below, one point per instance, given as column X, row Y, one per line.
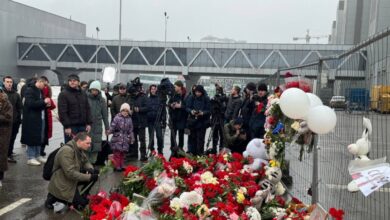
column 235, row 136
column 72, row 169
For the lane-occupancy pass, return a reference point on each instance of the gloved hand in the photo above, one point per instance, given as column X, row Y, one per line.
column 93, row 171
column 94, row 177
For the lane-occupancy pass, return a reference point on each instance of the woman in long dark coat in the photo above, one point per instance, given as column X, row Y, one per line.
column 5, row 132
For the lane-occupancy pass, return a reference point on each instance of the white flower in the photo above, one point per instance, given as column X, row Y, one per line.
column 187, row 167
column 189, row 198
column 275, row 101
column 253, row 214
column 242, row 190
column 166, row 189
column 176, row 204
column 272, row 151
column 208, row 178
column 132, row 208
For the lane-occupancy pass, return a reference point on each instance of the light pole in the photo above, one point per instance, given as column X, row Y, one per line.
column 165, row 40
column 120, row 41
column 97, row 47
column 188, row 38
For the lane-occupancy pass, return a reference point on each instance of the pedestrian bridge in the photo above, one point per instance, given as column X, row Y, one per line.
column 181, row 58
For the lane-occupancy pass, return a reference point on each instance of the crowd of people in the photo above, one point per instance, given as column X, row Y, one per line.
column 233, row 120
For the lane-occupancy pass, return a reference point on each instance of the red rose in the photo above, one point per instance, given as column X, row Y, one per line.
column 336, row 213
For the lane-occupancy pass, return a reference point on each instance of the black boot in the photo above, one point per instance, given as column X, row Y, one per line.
column 50, row 200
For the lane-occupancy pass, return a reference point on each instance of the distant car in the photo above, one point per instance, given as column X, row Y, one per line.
column 338, row 102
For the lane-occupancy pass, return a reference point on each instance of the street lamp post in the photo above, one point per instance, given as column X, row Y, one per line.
column 120, row 41
column 97, row 47
column 165, row 40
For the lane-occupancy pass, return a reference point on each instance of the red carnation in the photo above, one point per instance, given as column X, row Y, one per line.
column 130, row 169
column 336, row 213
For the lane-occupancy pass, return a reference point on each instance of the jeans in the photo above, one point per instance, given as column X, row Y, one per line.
column 33, row 152
column 75, row 130
column 15, row 130
column 160, row 145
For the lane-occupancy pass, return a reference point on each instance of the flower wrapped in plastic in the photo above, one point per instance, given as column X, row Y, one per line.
column 165, row 188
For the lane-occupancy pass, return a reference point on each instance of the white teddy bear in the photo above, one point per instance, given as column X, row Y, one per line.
column 256, row 149
column 272, row 181
column 360, row 149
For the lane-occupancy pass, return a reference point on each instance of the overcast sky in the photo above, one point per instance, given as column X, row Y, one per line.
column 255, row 21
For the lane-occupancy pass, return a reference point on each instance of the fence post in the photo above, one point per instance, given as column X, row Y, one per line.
column 314, row 183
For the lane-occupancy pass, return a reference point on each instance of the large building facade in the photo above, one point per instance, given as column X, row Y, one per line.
column 21, row 20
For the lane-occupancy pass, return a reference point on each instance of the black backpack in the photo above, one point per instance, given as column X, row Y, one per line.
column 48, row 167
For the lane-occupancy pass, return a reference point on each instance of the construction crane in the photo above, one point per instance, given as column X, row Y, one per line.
column 308, row 37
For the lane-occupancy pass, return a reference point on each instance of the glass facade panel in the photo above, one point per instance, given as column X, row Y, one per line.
column 85, row 51
column 54, row 50
column 69, row 56
column 274, row 62
column 182, row 54
column 221, row 55
column 114, row 52
column 152, row 53
column 238, row 61
column 103, row 57
column 203, row 60
column 257, row 57
column 22, row 48
column 170, row 60
column 35, row 54
column 135, row 58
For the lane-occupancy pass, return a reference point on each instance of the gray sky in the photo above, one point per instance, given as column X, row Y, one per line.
column 255, row 21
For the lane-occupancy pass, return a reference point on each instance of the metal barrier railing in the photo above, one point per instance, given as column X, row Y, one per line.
column 360, row 76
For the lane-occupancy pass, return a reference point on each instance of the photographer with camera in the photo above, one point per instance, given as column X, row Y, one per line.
column 178, row 115
column 199, row 109
column 218, row 108
column 139, row 105
column 233, row 105
column 156, row 119
column 235, row 136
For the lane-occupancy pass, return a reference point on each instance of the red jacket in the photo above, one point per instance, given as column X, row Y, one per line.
column 46, row 93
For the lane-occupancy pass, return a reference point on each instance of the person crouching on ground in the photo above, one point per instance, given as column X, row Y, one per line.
column 72, row 169
column 122, row 135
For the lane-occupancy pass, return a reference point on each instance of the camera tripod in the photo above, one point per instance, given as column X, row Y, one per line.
column 214, row 122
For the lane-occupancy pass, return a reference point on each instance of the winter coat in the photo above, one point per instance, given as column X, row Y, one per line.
column 46, row 94
column 17, row 106
column 99, row 116
column 68, row 162
column 257, row 120
column 117, row 102
column 246, row 111
column 178, row 116
column 73, row 108
column 5, row 130
column 201, row 103
column 233, row 108
column 156, row 108
column 122, row 133
column 232, row 141
column 32, row 123
column 140, row 119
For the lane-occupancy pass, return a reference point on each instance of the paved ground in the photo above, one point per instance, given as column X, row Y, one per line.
column 23, row 181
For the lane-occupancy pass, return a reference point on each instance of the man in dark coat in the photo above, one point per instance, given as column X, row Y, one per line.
column 6, row 120
column 138, row 102
column 34, row 124
column 218, row 109
column 177, row 115
column 156, row 119
column 118, row 100
column 199, row 109
column 233, row 105
column 247, row 107
column 257, row 120
column 73, row 109
column 16, row 102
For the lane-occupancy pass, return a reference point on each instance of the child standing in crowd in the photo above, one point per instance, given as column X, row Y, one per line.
column 122, row 135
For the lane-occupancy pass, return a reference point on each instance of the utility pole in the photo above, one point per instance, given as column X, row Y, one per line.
column 165, row 41
column 97, row 47
column 120, row 41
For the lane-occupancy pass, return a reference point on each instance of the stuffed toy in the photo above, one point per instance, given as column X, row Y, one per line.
column 260, row 197
column 272, row 181
column 360, row 150
column 256, row 149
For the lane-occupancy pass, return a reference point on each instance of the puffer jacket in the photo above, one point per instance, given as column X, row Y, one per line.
column 122, row 133
column 73, row 108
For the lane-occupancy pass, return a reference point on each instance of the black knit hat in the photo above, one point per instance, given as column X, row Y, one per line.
column 251, row 86
column 199, row 88
column 262, row 87
column 73, row 77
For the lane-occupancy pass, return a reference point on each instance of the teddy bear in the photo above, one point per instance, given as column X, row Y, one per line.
column 360, row 150
column 272, row 181
column 256, row 149
column 260, row 197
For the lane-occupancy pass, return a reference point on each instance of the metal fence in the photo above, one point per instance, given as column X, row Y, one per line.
column 360, row 75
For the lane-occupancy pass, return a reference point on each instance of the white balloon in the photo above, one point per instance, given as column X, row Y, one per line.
column 321, row 119
column 314, row 100
column 294, row 103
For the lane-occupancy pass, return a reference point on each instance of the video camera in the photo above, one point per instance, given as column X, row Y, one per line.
column 165, row 88
column 134, row 86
